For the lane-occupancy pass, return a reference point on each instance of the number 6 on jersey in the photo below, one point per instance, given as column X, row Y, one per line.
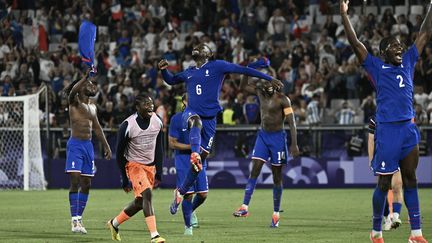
column 198, row 89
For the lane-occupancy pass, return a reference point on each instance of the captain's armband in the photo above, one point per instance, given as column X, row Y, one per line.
column 288, row 111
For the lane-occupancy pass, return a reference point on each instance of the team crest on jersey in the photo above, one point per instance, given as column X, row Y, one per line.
column 73, row 164
column 207, row 73
column 383, row 165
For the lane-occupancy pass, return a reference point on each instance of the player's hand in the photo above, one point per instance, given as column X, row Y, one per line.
column 294, row 150
column 107, row 153
column 126, row 185
column 344, row 6
column 163, row 64
column 277, row 84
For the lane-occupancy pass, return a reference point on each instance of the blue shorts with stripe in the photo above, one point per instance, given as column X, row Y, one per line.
column 80, row 157
column 183, row 167
column 393, row 142
column 271, row 145
column 208, row 130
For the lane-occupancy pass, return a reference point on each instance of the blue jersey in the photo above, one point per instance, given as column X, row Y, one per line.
column 394, row 86
column 204, row 84
column 175, row 131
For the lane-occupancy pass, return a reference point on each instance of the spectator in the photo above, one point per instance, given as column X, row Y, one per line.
column 313, row 111
column 345, row 116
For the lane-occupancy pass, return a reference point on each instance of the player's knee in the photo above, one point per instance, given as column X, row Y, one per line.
column 138, row 202
column 384, row 183
column 202, row 195
column 85, row 186
column 188, row 196
column 146, row 195
column 195, row 121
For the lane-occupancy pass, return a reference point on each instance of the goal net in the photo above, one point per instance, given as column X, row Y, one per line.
column 21, row 163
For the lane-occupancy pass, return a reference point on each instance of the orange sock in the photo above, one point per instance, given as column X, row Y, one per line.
column 121, row 218
column 390, row 200
column 151, row 224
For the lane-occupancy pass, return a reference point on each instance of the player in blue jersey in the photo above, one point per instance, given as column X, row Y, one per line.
column 203, row 84
column 271, row 142
column 396, row 136
column 179, row 141
column 79, row 149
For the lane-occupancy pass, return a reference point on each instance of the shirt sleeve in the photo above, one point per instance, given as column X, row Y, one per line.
column 410, row 57
column 172, row 79
column 371, row 65
column 228, row 67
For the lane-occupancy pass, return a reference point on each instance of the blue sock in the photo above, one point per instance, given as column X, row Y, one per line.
column 386, row 209
column 73, row 202
column 82, row 201
column 412, row 204
column 250, row 187
column 187, row 212
column 277, row 195
column 378, row 203
column 188, row 182
column 195, row 139
column 197, row 201
column 397, row 207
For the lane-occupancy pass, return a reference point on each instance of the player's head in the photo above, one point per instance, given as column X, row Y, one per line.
column 144, row 105
column 90, row 87
column 201, row 52
column 391, row 49
column 268, row 88
column 184, row 101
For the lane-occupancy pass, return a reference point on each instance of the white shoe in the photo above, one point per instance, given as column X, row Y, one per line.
column 82, row 229
column 396, row 222
column 387, row 223
column 76, row 226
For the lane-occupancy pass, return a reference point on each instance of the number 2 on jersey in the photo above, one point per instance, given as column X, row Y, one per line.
column 400, row 78
column 198, row 89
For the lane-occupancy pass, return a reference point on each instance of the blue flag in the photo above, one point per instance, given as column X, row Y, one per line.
column 86, row 42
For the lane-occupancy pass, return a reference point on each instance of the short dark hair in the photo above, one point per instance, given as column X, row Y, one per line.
column 141, row 98
column 385, row 42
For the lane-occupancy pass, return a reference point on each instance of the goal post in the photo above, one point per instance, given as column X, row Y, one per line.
column 21, row 162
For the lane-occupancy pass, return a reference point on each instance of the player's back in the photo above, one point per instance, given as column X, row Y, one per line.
column 394, row 86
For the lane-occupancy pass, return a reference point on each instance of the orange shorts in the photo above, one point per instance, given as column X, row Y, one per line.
column 141, row 176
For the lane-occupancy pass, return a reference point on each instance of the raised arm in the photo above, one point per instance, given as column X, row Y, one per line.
column 289, row 115
column 246, row 86
column 75, row 87
column 425, row 31
column 167, row 75
column 358, row 47
column 235, row 68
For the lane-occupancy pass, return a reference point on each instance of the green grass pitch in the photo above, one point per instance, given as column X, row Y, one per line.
column 310, row 215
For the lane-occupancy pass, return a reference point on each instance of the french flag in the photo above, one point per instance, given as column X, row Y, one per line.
column 116, row 12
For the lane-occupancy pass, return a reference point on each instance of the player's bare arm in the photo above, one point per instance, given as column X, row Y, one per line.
column 175, row 144
column 358, row 47
column 247, row 86
column 289, row 116
column 73, row 99
column 101, row 136
column 425, row 32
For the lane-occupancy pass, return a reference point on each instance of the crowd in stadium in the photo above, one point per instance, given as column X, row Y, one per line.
column 304, row 41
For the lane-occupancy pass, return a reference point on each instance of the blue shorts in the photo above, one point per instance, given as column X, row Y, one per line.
column 271, row 145
column 183, row 167
column 208, row 130
column 393, row 142
column 80, row 157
